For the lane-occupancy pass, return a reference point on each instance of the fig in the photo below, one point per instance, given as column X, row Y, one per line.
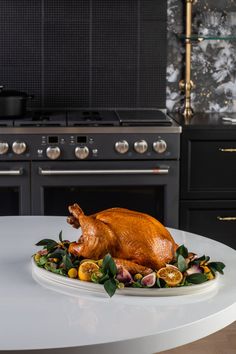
column 149, row 280
column 194, row 269
column 124, row 276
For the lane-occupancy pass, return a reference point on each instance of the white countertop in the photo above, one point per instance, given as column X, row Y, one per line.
column 35, row 317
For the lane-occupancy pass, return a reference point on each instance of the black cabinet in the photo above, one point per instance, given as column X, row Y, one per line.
column 208, row 179
column 215, row 219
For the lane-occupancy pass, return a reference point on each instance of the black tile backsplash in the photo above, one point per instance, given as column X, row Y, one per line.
column 86, row 53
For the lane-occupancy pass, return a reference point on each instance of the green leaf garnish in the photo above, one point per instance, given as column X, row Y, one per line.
column 216, row 267
column 67, row 262
column 201, row 259
column 108, row 265
column 57, row 253
column 60, row 236
column 105, row 262
column 182, row 250
column 196, row 278
column 48, row 243
column 158, row 283
column 42, row 261
column 110, row 287
column 112, row 267
column 181, row 263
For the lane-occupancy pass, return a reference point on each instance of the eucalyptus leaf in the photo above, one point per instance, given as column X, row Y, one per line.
column 182, row 250
column 158, row 283
column 181, row 263
column 60, row 236
column 47, row 242
column 57, row 253
column 196, row 278
column 67, row 262
column 106, row 262
column 216, row 267
column 112, row 267
column 110, row 287
column 201, row 259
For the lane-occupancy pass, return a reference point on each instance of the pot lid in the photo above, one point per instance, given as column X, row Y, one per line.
column 11, row 93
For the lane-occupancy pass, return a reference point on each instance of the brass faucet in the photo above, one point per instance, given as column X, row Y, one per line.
column 187, row 84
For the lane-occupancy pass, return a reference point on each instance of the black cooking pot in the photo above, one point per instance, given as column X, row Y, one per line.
column 13, row 103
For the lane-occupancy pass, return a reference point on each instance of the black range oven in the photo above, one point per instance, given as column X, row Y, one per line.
column 45, row 169
column 14, row 188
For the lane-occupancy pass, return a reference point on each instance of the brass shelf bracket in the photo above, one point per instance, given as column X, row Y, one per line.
column 187, row 85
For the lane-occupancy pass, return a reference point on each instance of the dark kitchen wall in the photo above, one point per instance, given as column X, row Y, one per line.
column 213, row 62
column 85, row 53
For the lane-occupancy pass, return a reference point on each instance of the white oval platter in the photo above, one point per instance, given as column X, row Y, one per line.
column 42, row 273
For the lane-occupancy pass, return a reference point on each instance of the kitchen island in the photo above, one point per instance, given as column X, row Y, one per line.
column 40, row 317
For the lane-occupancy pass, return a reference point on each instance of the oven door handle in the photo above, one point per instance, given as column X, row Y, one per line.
column 12, row 172
column 154, row 171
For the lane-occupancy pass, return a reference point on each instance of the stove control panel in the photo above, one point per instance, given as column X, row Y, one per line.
column 91, row 146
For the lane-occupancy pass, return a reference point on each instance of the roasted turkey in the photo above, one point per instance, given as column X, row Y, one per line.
column 135, row 240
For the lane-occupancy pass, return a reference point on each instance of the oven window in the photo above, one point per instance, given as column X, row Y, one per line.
column 148, row 200
column 10, row 201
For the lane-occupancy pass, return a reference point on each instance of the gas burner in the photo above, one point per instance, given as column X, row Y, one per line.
column 153, row 117
column 42, row 119
column 93, row 118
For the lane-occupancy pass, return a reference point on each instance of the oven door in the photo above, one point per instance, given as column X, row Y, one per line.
column 14, row 188
column 147, row 186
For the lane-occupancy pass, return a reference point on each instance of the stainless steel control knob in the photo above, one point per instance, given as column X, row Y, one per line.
column 160, row 146
column 81, row 152
column 122, row 147
column 3, row 147
column 19, row 147
column 141, row 146
column 53, row 152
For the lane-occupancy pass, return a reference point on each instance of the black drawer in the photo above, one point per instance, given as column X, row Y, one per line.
column 208, row 169
column 213, row 219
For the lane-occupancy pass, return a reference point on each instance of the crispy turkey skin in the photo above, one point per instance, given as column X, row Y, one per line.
column 134, row 239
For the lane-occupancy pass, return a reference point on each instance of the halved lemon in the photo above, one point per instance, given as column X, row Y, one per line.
column 86, row 269
column 171, row 275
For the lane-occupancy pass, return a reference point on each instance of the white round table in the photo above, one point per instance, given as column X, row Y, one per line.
column 34, row 317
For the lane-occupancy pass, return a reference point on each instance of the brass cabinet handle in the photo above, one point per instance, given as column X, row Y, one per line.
column 226, row 218
column 227, row 150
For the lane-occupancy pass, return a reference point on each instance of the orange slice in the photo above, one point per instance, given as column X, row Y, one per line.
column 171, row 275
column 86, row 269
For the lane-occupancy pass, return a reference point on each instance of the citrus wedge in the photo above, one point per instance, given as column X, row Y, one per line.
column 86, row 269
column 171, row 275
